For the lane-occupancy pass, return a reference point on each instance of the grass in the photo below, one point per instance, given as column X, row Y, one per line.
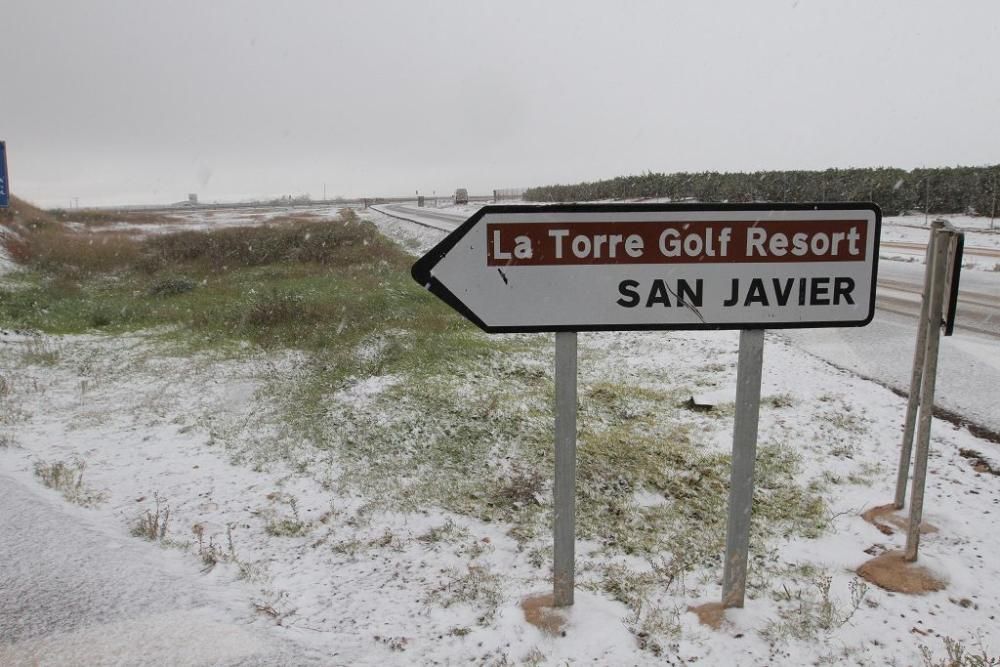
column 446, row 532
column 475, row 586
column 67, row 478
column 486, row 453
column 286, row 526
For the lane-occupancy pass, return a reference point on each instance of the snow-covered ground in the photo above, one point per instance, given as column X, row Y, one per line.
column 374, row 587
column 79, row 591
column 301, row 557
column 205, row 219
column 6, row 263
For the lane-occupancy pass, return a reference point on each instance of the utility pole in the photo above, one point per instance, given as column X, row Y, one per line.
column 993, row 211
column 927, row 199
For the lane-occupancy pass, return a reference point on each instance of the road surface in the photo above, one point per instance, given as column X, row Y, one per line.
column 969, row 368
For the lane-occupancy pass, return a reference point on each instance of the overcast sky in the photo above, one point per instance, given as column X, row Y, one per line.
column 145, row 101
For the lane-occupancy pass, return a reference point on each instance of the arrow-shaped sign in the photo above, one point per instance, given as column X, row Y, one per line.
column 600, row 267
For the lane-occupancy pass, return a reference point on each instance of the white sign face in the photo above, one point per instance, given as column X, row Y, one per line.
column 650, row 266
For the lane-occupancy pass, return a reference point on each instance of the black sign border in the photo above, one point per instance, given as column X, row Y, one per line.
column 423, row 267
column 956, row 276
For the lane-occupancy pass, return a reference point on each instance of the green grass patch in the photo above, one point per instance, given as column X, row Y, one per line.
column 325, row 287
column 476, row 438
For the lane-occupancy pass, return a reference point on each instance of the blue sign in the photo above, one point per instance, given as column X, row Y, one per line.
column 4, row 181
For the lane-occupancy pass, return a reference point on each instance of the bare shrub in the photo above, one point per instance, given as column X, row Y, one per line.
column 210, row 552
column 957, row 655
column 66, row 252
column 152, row 525
column 100, row 218
column 809, row 613
column 297, row 241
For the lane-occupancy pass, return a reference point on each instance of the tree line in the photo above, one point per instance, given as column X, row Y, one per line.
column 972, row 190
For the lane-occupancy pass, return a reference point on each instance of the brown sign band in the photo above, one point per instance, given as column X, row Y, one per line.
column 675, row 242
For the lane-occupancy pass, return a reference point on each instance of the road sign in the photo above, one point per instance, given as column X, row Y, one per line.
column 652, row 266
column 4, row 181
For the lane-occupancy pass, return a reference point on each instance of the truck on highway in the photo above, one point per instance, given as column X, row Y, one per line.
column 461, row 196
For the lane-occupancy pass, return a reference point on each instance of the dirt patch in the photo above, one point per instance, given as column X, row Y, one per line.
column 885, row 518
column 893, row 573
column 540, row 612
column 711, row 614
column 979, row 464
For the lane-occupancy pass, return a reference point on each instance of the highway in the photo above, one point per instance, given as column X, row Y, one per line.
column 969, row 367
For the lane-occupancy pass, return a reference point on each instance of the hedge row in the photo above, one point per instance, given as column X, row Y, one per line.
column 944, row 190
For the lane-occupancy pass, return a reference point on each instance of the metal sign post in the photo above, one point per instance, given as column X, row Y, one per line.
column 944, row 243
column 569, row 268
column 564, row 491
column 4, row 178
column 748, row 375
column 916, row 377
column 934, row 312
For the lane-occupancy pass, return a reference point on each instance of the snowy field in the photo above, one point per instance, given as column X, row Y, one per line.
column 203, row 219
column 370, row 551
